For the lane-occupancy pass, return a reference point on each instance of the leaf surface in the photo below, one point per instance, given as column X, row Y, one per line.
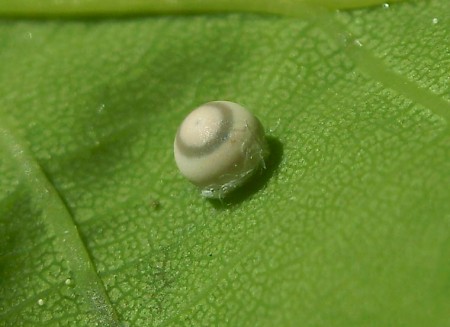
column 348, row 226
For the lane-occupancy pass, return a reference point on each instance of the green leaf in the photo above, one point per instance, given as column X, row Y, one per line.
column 349, row 225
column 32, row 8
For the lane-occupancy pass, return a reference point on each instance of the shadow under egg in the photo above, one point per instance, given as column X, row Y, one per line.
column 257, row 181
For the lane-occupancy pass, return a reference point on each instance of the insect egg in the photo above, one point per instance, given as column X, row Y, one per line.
column 219, row 146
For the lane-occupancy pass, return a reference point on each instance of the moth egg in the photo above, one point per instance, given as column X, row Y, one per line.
column 219, row 146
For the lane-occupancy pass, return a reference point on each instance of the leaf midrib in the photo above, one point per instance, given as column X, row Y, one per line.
column 59, row 220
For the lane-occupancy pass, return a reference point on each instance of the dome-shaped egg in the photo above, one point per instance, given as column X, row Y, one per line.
column 218, row 146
